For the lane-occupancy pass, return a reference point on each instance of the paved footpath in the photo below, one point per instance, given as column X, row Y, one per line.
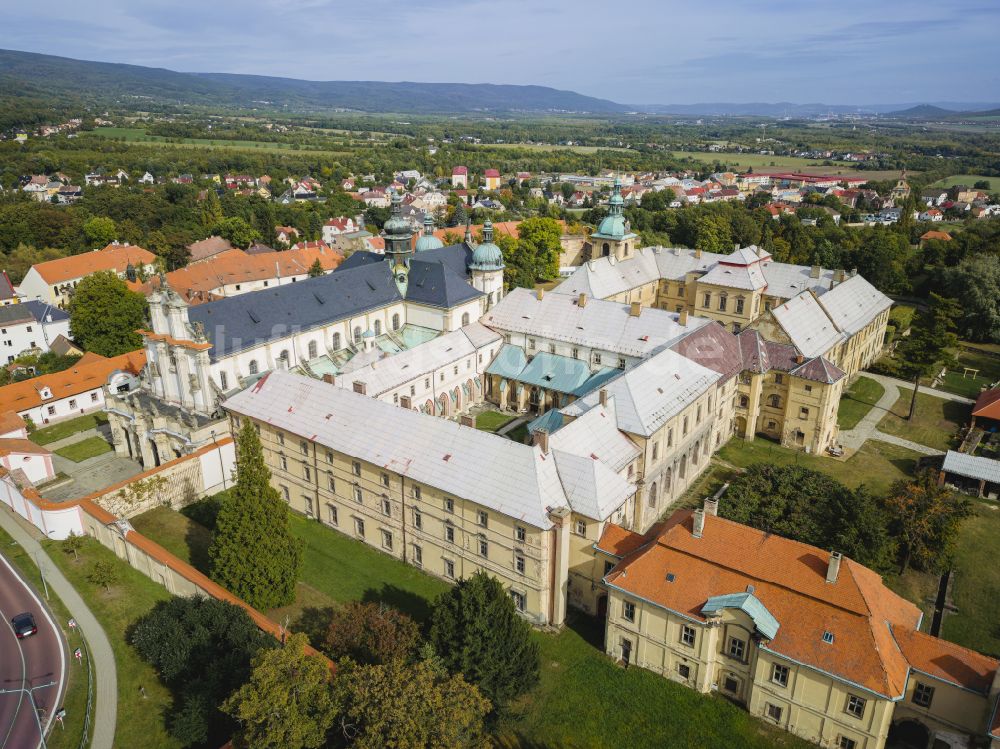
column 102, row 656
column 915, row 446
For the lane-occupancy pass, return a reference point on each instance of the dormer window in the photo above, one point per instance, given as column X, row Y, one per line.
column 45, row 393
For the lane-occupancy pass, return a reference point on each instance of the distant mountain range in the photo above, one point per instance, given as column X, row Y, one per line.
column 37, row 75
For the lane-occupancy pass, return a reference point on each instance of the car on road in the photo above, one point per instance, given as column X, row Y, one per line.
column 24, row 625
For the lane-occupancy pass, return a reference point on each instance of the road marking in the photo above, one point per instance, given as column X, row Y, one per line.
column 59, row 636
column 24, row 675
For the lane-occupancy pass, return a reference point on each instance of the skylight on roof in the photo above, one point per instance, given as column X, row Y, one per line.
column 671, row 577
column 828, row 637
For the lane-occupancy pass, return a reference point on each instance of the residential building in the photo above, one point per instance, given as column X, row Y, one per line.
column 804, row 638
column 337, row 226
column 208, row 247
column 460, row 177
column 491, row 179
column 30, row 328
column 54, row 280
column 8, row 295
column 21, row 454
column 74, row 391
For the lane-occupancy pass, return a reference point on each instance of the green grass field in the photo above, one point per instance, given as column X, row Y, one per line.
column 935, row 422
column 87, row 448
column 958, row 382
column 140, row 720
column 551, row 147
column 968, row 180
column 68, row 428
column 75, row 697
column 638, row 708
column 858, row 401
column 491, row 421
column 139, row 135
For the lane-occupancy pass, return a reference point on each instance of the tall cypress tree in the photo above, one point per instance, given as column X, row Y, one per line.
column 253, row 553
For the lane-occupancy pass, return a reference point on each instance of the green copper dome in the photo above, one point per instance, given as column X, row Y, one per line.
column 428, row 241
column 396, row 225
column 487, row 256
column 614, row 226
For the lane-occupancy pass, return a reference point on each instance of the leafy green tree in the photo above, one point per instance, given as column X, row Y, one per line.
column 104, row 315
column 460, row 216
column 811, row 507
column 925, row 516
column 253, row 552
column 202, row 649
column 930, row 342
column 477, row 631
column 211, row 210
column 370, row 633
column 237, row 231
column 713, row 234
column 976, row 281
column 539, row 238
column 316, row 269
column 100, row 231
column 104, row 573
column 409, row 706
column 288, row 702
column 73, row 543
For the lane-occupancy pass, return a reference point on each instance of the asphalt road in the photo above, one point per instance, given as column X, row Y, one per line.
column 26, row 663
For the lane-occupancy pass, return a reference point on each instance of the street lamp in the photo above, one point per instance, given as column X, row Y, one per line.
column 34, row 708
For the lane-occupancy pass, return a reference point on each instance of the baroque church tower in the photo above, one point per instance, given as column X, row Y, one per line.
column 486, row 267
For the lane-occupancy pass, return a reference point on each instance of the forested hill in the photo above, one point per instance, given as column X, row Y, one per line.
column 113, row 81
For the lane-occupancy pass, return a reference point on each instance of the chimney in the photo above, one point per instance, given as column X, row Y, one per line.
column 360, row 387
column 854, row 272
column 814, row 273
column 635, row 309
column 404, row 402
column 468, row 420
column 799, row 359
column 682, row 318
column 540, row 437
column 328, row 379
column 697, row 253
column 582, row 301
column 699, row 523
column 833, row 568
column 736, row 247
column 541, row 293
column 604, row 396
column 712, row 506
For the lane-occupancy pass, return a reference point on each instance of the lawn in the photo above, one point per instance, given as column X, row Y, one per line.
column 876, row 464
column 90, row 447
column 75, row 697
column 138, row 135
column 858, row 401
column 140, row 720
column 968, row 180
column 518, row 433
column 67, row 428
column 492, row 421
column 756, row 161
column 637, row 707
column 935, row 422
column 956, row 381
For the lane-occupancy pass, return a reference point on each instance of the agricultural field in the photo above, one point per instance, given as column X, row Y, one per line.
column 551, row 147
column 967, row 179
column 139, row 135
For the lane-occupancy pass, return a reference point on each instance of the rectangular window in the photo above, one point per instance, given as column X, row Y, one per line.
column 285, row 494
column 803, row 413
column 576, row 353
column 737, row 648
column 845, row 743
column 731, row 684
column 855, row 706
column 306, row 473
column 580, row 528
column 358, row 496
column 304, row 447
column 482, row 518
column 520, row 533
column 449, row 569
column 531, row 344
column 386, row 540
column 418, row 555
column 708, row 301
column 809, row 388
column 281, row 438
column 416, row 492
column 684, row 670
column 385, row 479
column 608, row 566
column 684, row 429
column 359, row 527
column 93, row 397
column 778, row 379
column 779, row 675
column 670, row 438
column 72, row 403
column 923, row 694
column 418, row 520
column 687, row 636
column 427, row 383
column 329, row 456
column 331, row 484
column 621, row 362
column 484, row 548
column 656, row 451
column 283, row 462
column 723, row 301
column 386, row 507
column 356, row 467
column 739, row 306
column 519, row 564
column 449, row 533
column 449, row 505
column 520, row 600
column 331, row 514
column 308, row 503
column 628, row 611
column 773, row 712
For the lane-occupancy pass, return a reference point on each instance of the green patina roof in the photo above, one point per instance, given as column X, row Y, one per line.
column 764, row 622
column 487, row 256
column 614, row 225
column 550, row 371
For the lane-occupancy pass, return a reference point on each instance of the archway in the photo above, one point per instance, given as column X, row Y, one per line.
column 908, row 734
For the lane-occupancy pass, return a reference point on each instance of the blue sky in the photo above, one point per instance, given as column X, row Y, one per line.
column 642, row 51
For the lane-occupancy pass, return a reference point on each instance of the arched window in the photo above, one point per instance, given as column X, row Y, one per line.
column 774, row 401
column 744, row 401
column 252, row 368
column 313, row 350
column 395, row 321
column 357, row 334
column 652, row 495
column 284, row 355
column 465, row 319
column 694, row 453
column 606, row 248
column 378, row 327
column 666, row 480
column 335, row 343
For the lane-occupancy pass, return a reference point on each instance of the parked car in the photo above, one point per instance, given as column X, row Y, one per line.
column 24, row 625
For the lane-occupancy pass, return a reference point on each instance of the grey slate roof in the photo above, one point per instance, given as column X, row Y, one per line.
column 432, row 282
column 33, row 310
column 239, row 322
column 714, row 347
column 807, row 325
column 972, row 466
column 819, row 370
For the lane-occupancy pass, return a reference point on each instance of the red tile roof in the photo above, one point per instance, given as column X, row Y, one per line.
column 988, row 404
column 114, row 257
column 90, row 372
column 491, row 173
column 11, row 421
column 946, row 660
column 12, row 445
column 460, row 170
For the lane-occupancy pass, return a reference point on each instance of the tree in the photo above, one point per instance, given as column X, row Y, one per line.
column 316, row 269
column 202, row 649
column 253, row 552
column 477, row 631
column 73, row 543
column 460, row 216
column 103, row 573
column 925, row 516
column 104, row 315
column 370, row 633
column 713, row 234
column 811, row 507
column 408, row 706
column 100, row 231
column 976, row 281
column 237, row 231
column 287, row 704
column 927, row 346
column 540, row 239
column 211, row 210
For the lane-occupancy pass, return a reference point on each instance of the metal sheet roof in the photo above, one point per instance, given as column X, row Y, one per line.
column 853, row 304
column 972, row 466
column 591, row 487
column 765, row 623
column 808, row 326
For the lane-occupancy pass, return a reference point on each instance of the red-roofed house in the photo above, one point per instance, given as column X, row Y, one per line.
column 987, row 408
column 54, row 280
column 804, row 638
column 337, row 226
column 24, row 455
column 460, row 177
column 491, row 179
